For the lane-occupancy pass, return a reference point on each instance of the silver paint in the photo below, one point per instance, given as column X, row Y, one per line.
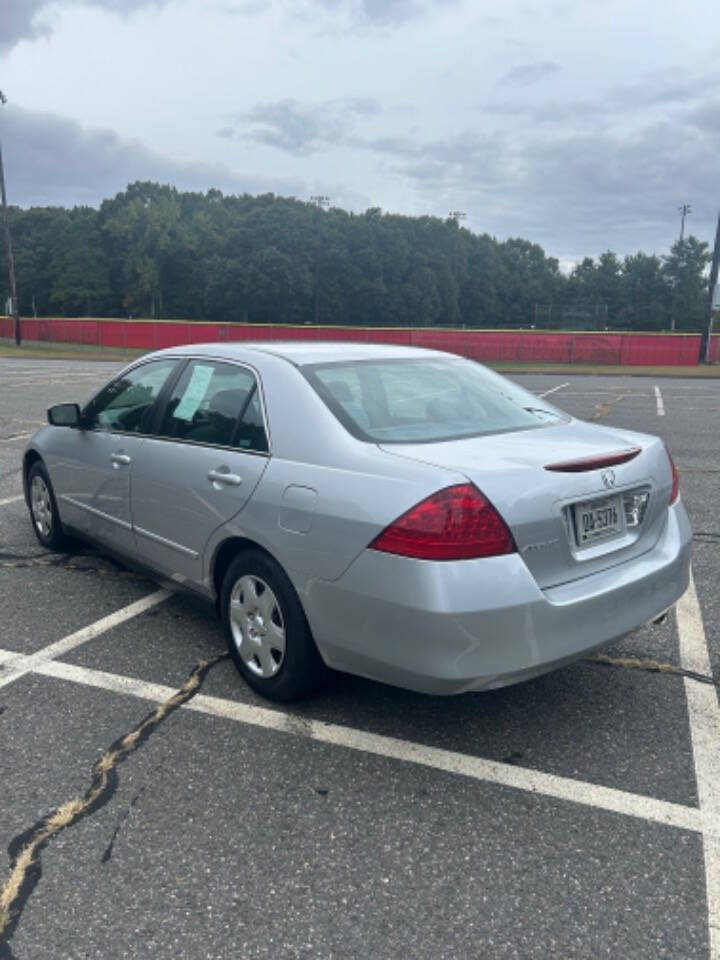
column 439, row 627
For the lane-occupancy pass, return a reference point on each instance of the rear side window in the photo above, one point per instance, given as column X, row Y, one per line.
column 424, row 401
column 215, row 404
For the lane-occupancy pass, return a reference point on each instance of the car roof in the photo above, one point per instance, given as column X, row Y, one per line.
column 306, row 352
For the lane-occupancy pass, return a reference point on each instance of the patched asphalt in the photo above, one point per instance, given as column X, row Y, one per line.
column 234, row 841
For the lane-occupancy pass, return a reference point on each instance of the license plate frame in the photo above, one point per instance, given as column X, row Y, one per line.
column 598, row 520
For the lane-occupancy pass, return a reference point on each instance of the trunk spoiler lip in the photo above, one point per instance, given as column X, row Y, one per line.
column 598, row 462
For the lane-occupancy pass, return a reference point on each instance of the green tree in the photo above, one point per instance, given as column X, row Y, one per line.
column 645, row 301
column 684, row 269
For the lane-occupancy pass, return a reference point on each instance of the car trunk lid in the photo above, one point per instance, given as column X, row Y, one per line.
column 578, row 498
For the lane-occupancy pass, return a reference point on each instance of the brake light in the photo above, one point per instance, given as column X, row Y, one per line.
column 675, row 491
column 457, row 523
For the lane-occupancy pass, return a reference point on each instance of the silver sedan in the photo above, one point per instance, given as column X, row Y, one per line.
column 402, row 514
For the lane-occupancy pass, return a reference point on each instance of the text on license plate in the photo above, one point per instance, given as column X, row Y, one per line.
column 598, row 519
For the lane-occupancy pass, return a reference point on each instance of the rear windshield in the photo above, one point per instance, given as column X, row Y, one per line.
column 425, row 401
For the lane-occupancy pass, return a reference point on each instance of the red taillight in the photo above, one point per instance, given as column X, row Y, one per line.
column 457, row 523
column 675, row 491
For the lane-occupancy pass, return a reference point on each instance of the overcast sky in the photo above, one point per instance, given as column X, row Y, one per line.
column 579, row 125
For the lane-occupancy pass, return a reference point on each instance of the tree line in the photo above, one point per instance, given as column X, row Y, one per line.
column 155, row 251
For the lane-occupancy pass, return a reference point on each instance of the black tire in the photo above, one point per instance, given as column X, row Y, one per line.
column 43, row 508
column 262, row 622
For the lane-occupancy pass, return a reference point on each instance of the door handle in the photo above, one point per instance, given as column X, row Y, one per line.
column 219, row 476
column 120, row 458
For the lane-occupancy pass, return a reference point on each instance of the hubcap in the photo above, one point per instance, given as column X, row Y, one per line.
column 41, row 505
column 257, row 626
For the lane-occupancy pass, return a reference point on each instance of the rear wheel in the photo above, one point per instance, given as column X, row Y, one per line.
column 43, row 508
column 267, row 633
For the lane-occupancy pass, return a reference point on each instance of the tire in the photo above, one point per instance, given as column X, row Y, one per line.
column 43, row 508
column 267, row 633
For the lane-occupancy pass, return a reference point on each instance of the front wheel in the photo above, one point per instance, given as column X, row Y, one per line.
column 267, row 633
column 43, row 508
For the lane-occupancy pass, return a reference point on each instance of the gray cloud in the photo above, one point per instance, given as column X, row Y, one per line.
column 51, row 159
column 19, row 19
column 661, row 92
column 300, row 128
column 528, row 74
column 565, row 189
column 384, row 12
column 665, row 88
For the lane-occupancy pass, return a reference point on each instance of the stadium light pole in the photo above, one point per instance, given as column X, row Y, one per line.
column 8, row 243
column 684, row 210
column 320, row 201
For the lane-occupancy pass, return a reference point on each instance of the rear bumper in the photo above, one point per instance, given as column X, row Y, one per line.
column 445, row 628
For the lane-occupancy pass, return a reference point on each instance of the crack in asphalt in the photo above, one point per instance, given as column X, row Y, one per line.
column 107, row 853
column 25, row 849
column 651, row 666
column 21, row 561
column 707, row 537
column 604, row 407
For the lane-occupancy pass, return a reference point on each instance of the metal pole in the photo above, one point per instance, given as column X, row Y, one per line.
column 10, row 258
column 320, row 201
column 684, row 210
column 704, row 356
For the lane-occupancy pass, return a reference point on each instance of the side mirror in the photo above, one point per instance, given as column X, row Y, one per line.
column 64, row 415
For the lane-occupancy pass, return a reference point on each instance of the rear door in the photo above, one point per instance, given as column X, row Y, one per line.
column 92, row 477
column 201, row 467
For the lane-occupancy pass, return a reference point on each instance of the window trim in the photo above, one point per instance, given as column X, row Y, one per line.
column 164, row 396
column 171, row 378
column 160, row 402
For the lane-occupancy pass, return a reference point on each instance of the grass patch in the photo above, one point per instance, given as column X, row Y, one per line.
column 66, row 351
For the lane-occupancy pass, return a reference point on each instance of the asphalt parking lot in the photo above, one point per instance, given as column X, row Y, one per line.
column 573, row 816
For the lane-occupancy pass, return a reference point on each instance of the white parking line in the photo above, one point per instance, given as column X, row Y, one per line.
column 488, row 771
column 7, row 500
column 704, row 714
column 16, row 666
column 558, row 387
column 16, row 436
column 660, row 404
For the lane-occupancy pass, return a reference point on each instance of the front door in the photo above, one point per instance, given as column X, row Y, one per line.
column 210, row 452
column 92, row 479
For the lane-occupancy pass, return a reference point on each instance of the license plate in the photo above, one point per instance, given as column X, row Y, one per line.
column 598, row 519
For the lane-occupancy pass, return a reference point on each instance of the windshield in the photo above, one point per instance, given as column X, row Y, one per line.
column 426, row 400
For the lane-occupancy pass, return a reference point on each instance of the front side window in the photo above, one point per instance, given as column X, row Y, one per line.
column 215, row 404
column 126, row 405
column 425, row 401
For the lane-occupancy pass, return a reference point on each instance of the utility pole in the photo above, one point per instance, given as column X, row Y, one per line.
column 8, row 244
column 457, row 216
column 684, row 210
column 707, row 332
column 320, row 202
